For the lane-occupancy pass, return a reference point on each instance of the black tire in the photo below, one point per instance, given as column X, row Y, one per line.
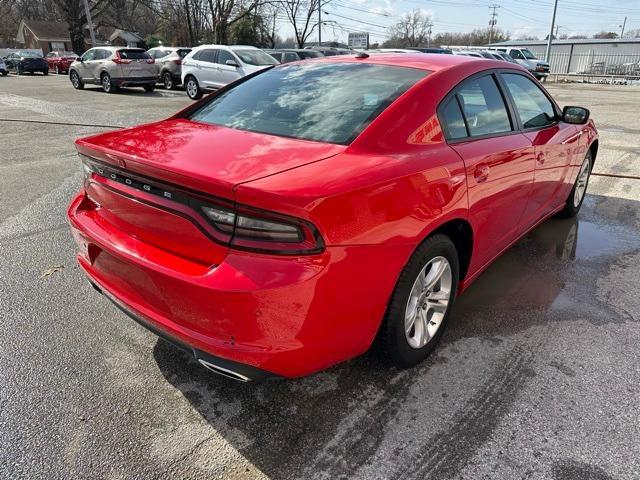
column 194, row 92
column 75, row 79
column 392, row 336
column 572, row 205
column 107, row 85
column 46, row 72
column 5, row 73
column 167, row 81
column 149, row 88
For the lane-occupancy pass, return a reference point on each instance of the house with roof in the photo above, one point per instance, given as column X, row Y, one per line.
column 43, row 35
column 54, row 36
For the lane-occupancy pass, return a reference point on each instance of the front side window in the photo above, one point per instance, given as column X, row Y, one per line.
column 484, row 107
column 88, row 56
column 527, row 54
column 284, row 101
column 516, row 54
column 223, row 56
column 533, row 107
column 255, row 57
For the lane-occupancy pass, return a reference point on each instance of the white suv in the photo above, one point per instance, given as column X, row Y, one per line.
column 213, row 66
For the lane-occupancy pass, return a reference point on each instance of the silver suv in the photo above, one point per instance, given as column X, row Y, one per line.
column 169, row 64
column 114, row 67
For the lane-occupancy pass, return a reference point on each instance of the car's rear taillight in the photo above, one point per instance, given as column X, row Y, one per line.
column 150, row 60
column 177, row 62
column 238, row 226
column 264, row 231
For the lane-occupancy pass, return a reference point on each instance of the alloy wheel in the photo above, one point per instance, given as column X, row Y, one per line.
column 168, row 81
column 106, row 83
column 428, row 302
column 581, row 182
column 75, row 81
column 192, row 88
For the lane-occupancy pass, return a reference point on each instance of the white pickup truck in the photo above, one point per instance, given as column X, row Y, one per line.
column 539, row 68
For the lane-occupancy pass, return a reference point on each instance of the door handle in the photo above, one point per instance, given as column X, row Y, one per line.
column 540, row 158
column 481, row 173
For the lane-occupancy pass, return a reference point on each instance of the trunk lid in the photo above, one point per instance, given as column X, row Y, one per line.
column 143, row 175
column 208, row 158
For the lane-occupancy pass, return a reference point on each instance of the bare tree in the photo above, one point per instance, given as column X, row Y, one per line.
column 302, row 15
column 412, row 30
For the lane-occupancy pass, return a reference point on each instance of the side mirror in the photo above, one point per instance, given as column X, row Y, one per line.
column 231, row 63
column 575, row 115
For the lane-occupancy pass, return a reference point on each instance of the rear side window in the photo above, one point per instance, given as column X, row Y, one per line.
column 183, row 52
column 207, row 56
column 534, row 108
column 483, row 107
column 277, row 56
column 283, row 101
column 451, row 120
column 134, row 54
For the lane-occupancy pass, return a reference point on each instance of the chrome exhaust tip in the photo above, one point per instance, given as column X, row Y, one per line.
column 225, row 372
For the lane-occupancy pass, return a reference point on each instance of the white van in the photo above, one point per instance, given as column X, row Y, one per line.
column 208, row 67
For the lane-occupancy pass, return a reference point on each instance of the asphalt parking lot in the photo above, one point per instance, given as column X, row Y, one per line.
column 538, row 375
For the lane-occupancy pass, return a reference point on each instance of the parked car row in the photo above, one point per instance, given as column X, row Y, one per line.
column 26, row 62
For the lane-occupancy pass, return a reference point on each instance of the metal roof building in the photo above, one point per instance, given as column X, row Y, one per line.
column 580, row 55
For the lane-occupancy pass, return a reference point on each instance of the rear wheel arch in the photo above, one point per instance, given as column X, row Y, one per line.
column 594, row 151
column 460, row 232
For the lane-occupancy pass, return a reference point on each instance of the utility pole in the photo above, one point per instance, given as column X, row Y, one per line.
column 429, row 27
column 319, row 23
column 493, row 20
column 553, row 21
column 624, row 24
column 87, row 12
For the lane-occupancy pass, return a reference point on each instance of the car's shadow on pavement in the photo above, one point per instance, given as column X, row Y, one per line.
column 369, row 418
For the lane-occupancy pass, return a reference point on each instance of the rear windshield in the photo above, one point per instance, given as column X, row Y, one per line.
column 30, row 55
column 285, row 101
column 255, row 57
column 134, row 54
column 183, row 52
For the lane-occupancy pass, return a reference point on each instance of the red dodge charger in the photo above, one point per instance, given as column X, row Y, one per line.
column 284, row 222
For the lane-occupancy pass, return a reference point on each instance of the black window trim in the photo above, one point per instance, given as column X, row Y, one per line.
column 507, row 103
column 514, row 119
column 554, row 105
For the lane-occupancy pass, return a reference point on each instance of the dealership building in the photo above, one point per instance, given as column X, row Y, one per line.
column 588, row 55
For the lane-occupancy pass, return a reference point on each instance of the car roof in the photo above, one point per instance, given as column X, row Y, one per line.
column 432, row 62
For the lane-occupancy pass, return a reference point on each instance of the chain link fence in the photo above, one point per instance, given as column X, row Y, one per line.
column 595, row 64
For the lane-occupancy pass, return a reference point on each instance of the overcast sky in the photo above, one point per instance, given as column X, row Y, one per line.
column 519, row 17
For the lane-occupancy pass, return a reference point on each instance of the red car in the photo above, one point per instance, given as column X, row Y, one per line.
column 59, row 62
column 281, row 224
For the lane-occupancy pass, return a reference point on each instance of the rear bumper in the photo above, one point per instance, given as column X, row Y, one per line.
column 133, row 81
column 264, row 314
column 222, row 366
